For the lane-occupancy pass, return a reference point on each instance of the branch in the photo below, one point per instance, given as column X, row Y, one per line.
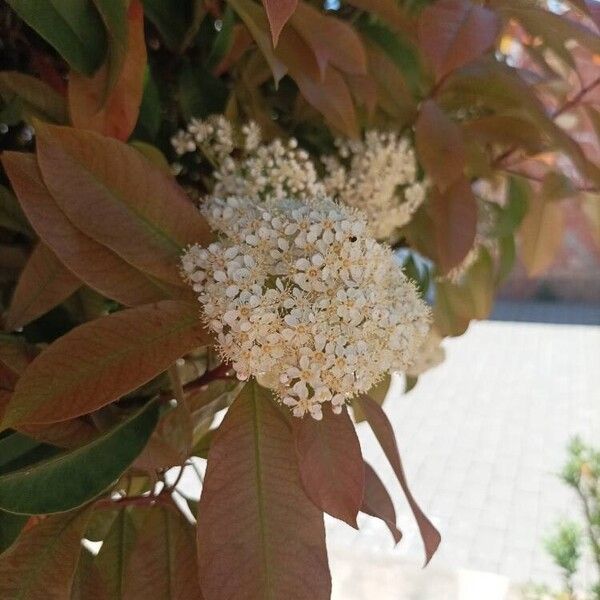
column 220, row 372
column 568, row 105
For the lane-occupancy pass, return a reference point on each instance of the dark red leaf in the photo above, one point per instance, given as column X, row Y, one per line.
column 452, row 33
column 454, row 216
column 440, row 145
column 377, row 502
column 331, row 465
column 259, row 536
column 384, row 433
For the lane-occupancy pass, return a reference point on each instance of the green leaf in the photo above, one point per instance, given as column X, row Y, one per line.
column 11, row 215
column 253, row 513
column 41, row 564
column 73, row 27
column 410, row 383
column 43, row 284
column 507, row 255
column 378, row 393
column 10, row 528
column 73, row 478
column 115, row 355
column 149, row 118
column 509, row 217
column 400, row 50
column 36, row 98
column 114, row 15
column 146, row 217
column 331, row 464
column 13, row 447
column 200, row 93
column 177, row 22
column 222, row 40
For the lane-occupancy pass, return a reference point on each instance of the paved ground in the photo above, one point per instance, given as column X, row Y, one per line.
column 482, row 438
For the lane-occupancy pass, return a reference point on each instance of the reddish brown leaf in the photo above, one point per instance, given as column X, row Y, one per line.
column 390, row 13
column 15, row 355
column 384, row 433
column 279, row 12
column 118, row 110
column 440, row 145
column 377, row 502
column 93, row 263
column 259, row 536
column 102, row 360
column 256, row 21
column 163, row 562
column 332, row 40
column 541, row 234
column 454, row 216
column 331, row 465
column 41, row 564
column 114, row 195
column 453, row 33
column 44, row 283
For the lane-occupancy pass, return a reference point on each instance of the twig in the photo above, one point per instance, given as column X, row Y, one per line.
column 220, row 372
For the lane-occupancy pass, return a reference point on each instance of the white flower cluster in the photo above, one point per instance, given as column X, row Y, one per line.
column 301, row 297
column 246, row 167
column 378, row 175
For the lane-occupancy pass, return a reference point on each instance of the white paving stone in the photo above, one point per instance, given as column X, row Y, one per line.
column 482, row 438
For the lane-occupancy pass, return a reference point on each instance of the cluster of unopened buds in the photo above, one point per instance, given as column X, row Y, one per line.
column 301, row 297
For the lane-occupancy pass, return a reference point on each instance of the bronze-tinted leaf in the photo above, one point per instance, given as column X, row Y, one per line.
column 109, row 101
column 255, row 20
column 41, row 564
column 332, row 40
column 384, row 433
column 331, row 465
column 454, row 216
column 453, row 33
column 95, row 264
column 102, row 360
column 440, row 145
column 113, row 194
column 36, row 98
column 278, row 13
column 43, row 284
column 163, row 562
column 259, row 536
column 377, row 502
column 541, row 234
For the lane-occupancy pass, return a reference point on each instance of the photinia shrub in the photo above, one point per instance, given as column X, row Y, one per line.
column 224, row 225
